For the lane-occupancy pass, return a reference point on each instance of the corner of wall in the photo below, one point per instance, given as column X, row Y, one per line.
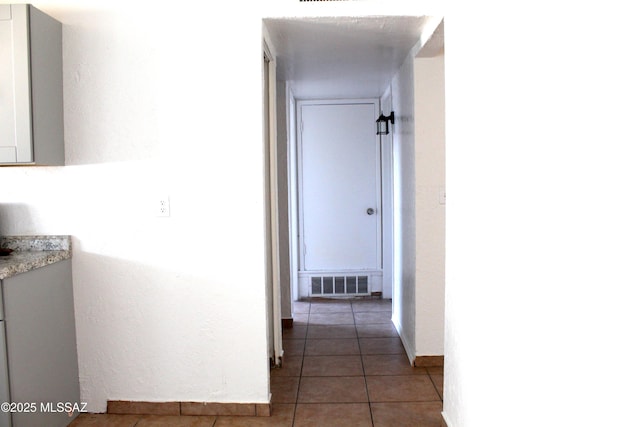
column 406, row 342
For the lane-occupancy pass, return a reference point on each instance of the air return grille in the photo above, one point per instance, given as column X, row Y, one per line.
column 339, row 285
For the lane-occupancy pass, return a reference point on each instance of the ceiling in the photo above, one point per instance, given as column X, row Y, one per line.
column 342, row 57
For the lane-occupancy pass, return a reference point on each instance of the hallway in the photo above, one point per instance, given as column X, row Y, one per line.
column 344, row 365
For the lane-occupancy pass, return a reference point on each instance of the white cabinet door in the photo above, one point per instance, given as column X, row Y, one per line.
column 7, row 99
column 31, row 122
column 340, row 192
column 14, row 84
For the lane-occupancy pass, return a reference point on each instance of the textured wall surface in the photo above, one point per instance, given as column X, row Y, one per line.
column 404, row 205
column 430, row 204
column 162, row 101
column 160, row 302
column 542, row 216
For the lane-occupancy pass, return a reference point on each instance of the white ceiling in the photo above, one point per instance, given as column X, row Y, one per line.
column 342, row 57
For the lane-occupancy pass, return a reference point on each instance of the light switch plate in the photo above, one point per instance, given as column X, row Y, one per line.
column 163, row 208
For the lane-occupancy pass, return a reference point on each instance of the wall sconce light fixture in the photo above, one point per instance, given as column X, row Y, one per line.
column 383, row 123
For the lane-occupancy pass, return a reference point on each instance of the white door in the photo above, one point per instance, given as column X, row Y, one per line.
column 339, row 174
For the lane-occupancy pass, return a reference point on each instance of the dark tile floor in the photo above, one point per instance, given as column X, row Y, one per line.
column 344, row 365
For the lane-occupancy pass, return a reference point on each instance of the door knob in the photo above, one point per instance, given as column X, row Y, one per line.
column 370, row 211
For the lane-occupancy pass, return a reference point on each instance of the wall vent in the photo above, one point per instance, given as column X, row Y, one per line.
column 339, row 285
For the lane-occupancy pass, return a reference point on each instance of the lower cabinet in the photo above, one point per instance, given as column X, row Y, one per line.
column 41, row 352
column 5, row 416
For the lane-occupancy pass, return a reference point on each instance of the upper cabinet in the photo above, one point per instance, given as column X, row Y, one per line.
column 31, row 110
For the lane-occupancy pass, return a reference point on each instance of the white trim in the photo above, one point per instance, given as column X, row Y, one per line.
column 273, row 205
column 445, row 419
column 292, row 190
column 275, row 218
column 408, row 348
column 386, row 154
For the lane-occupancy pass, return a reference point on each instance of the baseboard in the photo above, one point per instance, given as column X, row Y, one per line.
column 411, row 353
column 126, row 407
column 428, row 361
column 443, row 420
column 287, row 323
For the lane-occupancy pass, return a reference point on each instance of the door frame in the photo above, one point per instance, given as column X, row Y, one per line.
column 274, row 313
column 299, row 198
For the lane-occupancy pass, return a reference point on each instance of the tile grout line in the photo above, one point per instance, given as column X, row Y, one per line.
column 434, row 386
column 364, row 374
column 304, row 351
column 305, row 355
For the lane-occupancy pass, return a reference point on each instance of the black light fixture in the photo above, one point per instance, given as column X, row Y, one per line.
column 383, row 123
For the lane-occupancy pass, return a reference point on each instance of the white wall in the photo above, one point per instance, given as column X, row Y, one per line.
column 156, row 104
column 430, row 207
column 163, row 101
column 404, row 212
column 419, row 216
column 542, row 208
column 542, row 216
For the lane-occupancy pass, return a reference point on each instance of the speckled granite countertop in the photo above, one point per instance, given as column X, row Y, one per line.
column 31, row 252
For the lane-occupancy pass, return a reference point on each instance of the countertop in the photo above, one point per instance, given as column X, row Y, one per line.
column 31, row 252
